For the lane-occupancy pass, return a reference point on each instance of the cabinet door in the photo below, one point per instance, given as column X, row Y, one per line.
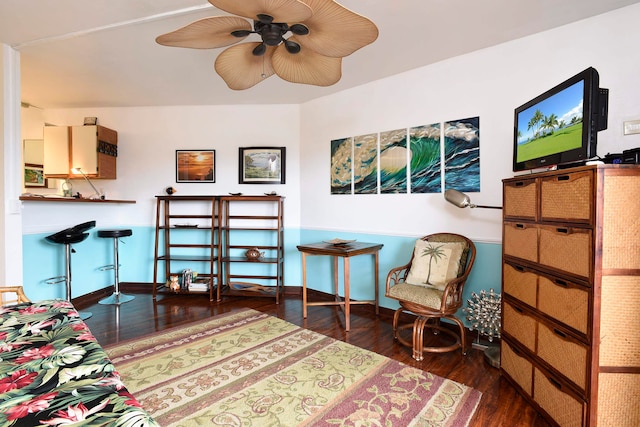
column 83, row 148
column 56, row 150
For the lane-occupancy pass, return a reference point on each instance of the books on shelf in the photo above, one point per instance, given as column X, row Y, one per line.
column 199, row 286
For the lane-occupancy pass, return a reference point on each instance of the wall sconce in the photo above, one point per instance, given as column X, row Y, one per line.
column 97, row 194
column 462, row 200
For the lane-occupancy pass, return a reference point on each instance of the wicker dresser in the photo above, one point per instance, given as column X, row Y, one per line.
column 571, row 293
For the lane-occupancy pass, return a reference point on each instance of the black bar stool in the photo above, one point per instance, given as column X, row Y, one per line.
column 117, row 297
column 68, row 237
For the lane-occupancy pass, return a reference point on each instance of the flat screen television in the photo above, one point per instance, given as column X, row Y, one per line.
column 560, row 126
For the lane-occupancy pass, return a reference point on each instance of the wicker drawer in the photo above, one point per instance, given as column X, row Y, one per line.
column 520, row 324
column 566, row 248
column 565, row 301
column 566, row 355
column 521, row 199
column 520, row 240
column 514, row 364
column 556, row 399
column 520, row 283
column 567, row 197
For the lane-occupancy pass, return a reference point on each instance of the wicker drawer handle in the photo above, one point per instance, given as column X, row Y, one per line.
column 520, row 226
column 559, row 333
column 519, row 184
column 561, row 283
column 555, row 383
column 562, row 230
column 518, row 309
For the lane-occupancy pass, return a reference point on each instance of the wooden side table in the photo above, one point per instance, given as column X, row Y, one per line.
column 344, row 252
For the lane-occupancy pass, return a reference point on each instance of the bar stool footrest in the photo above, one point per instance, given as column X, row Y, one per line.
column 55, row 280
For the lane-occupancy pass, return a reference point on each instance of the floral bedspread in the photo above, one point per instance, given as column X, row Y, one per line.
column 53, row 372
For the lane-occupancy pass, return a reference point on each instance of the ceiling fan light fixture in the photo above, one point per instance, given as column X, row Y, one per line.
column 264, row 18
column 292, row 47
column 299, row 29
column 259, row 50
column 241, row 33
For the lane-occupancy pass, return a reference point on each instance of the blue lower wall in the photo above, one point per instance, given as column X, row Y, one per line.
column 43, row 260
column 486, row 272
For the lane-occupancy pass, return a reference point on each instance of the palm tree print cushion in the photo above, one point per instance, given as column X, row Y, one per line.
column 435, row 263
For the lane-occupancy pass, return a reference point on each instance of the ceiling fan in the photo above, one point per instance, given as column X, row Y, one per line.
column 322, row 33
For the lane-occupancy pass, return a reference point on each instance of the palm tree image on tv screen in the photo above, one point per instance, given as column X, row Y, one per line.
column 551, row 126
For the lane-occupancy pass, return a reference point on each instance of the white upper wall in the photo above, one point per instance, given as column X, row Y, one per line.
column 147, row 142
column 490, row 84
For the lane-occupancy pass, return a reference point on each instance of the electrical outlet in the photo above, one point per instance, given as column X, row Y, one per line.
column 631, row 127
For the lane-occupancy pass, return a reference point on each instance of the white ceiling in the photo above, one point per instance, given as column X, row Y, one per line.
column 102, row 53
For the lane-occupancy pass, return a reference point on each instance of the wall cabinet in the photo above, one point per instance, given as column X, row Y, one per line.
column 211, row 235
column 571, row 286
column 94, row 149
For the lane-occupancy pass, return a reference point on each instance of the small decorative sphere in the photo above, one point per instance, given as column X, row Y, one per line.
column 170, row 190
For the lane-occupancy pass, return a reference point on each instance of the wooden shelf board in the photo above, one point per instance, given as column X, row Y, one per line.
column 70, row 200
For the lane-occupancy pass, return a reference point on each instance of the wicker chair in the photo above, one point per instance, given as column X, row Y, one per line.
column 20, row 296
column 427, row 302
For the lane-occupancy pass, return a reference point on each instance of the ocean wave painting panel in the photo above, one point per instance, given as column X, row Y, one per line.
column 424, row 143
column 462, row 154
column 393, row 161
column 341, row 166
column 365, row 164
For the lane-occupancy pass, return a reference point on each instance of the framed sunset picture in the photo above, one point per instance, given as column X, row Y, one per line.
column 195, row 165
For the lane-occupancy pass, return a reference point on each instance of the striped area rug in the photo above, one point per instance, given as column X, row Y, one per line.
column 246, row 368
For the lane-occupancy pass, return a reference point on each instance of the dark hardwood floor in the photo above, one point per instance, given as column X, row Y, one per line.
column 501, row 405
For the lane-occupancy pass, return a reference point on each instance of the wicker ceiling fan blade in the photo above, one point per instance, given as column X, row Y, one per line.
column 290, row 11
column 206, row 33
column 240, row 69
column 335, row 30
column 306, row 67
